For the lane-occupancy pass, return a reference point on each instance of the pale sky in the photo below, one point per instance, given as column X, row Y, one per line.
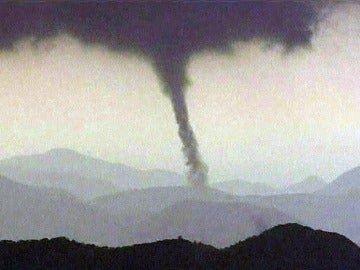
column 259, row 114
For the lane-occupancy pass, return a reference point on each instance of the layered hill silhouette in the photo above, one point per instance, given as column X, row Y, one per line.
column 331, row 208
column 289, row 246
column 151, row 200
column 33, row 213
column 42, row 207
column 339, row 213
column 332, row 213
column 83, row 176
column 219, row 224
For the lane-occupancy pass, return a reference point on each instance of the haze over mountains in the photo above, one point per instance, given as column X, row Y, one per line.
column 348, row 182
column 243, row 188
column 331, row 213
column 81, row 175
column 126, row 206
column 87, row 177
column 214, row 223
column 32, row 213
column 151, row 200
column 309, row 185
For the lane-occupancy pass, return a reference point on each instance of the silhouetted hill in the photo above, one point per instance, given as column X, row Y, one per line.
column 60, row 253
column 292, row 246
column 287, row 247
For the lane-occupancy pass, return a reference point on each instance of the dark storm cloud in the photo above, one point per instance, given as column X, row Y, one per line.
column 167, row 33
column 161, row 28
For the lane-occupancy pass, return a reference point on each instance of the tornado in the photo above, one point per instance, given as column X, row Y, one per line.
column 172, row 73
column 168, row 34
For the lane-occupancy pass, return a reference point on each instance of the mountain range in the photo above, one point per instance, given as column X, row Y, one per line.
column 34, row 212
column 87, row 177
column 88, row 205
column 219, row 224
column 339, row 213
column 81, row 175
column 244, row 188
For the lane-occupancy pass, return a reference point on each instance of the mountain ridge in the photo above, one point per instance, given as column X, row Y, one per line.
column 310, row 184
column 344, row 183
column 84, row 176
column 36, row 212
column 288, row 246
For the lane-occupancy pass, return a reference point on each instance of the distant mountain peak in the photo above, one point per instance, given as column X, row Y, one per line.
column 82, row 175
column 345, row 183
column 310, row 184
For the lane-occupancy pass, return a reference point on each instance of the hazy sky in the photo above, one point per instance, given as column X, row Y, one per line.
column 259, row 114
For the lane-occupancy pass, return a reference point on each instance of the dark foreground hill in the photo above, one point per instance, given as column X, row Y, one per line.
column 288, row 246
column 293, row 246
